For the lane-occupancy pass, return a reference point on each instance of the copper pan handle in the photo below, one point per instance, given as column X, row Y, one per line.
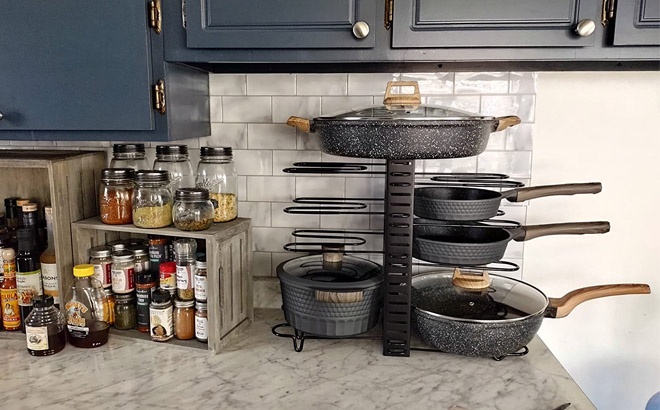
column 302, row 124
column 561, row 307
column 506, row 122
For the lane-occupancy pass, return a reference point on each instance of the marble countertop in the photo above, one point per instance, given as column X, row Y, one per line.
column 262, row 372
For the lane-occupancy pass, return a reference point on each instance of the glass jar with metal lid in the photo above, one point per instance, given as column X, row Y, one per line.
column 216, row 172
column 129, row 156
column 201, row 322
column 115, row 196
column 193, row 211
column 201, row 280
column 123, row 272
column 125, row 311
column 141, row 258
column 152, row 199
column 184, row 251
column 175, row 160
column 184, row 319
column 161, row 325
column 101, row 258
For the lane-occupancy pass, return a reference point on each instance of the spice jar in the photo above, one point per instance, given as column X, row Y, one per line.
column 152, row 200
column 201, row 323
column 125, row 311
column 193, row 211
column 200, row 280
column 159, row 252
column 44, row 327
column 175, row 160
column 109, row 311
column 115, row 196
column 129, row 156
column 144, row 288
column 184, row 252
column 141, row 258
column 123, row 272
column 184, row 319
column 117, row 246
column 168, row 277
column 216, row 172
column 99, row 257
column 160, row 316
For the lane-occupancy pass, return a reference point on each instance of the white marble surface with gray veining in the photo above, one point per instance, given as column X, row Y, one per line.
column 262, row 371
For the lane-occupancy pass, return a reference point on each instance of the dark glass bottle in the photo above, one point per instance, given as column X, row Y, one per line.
column 45, row 328
column 144, row 289
column 28, row 272
column 11, row 219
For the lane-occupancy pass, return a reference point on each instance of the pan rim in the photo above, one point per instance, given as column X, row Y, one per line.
column 419, row 192
column 470, row 244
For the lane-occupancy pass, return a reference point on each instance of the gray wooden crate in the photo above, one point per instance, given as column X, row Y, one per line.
column 228, row 256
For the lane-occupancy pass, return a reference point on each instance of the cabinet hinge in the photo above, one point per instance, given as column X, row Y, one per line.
column 607, row 14
column 183, row 13
column 389, row 11
column 155, row 16
column 159, row 96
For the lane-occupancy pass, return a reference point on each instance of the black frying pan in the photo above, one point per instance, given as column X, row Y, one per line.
column 475, row 245
column 473, row 204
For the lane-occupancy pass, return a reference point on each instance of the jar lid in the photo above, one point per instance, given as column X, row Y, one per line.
column 215, row 152
column 11, row 201
column 108, row 292
column 201, row 262
column 31, row 207
column 184, row 303
column 160, row 296
column 135, row 242
column 83, row 271
column 22, row 201
column 122, row 256
column 139, row 250
column 118, row 173
column 127, row 148
column 125, row 297
column 144, row 278
column 191, row 194
column 171, row 150
column 145, row 175
column 101, row 251
column 200, row 306
column 185, row 248
column 168, row 267
column 43, row 301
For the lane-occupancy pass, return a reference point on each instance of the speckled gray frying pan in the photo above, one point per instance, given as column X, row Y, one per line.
column 473, row 204
column 402, row 128
column 500, row 320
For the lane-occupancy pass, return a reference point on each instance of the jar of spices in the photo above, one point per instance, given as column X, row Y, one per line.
column 159, row 252
column 129, row 156
column 201, row 323
column 175, row 160
column 193, row 211
column 100, row 257
column 109, row 311
column 123, row 272
column 160, row 316
column 117, row 246
column 216, row 172
column 152, row 200
column 125, row 311
column 44, row 327
column 184, row 251
column 144, row 288
column 168, row 277
column 116, row 189
column 200, row 280
column 184, row 319
column 141, row 258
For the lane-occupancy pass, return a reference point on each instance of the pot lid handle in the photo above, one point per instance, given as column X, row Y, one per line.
column 399, row 100
column 470, row 281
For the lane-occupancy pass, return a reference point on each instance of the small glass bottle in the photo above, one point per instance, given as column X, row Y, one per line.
column 11, row 219
column 141, row 258
column 115, row 206
column 216, row 172
column 175, row 160
column 100, row 257
column 200, row 281
column 160, row 316
column 184, row 251
column 125, row 311
column 19, row 206
column 167, row 278
column 28, row 272
column 129, row 156
column 30, row 219
column 44, row 327
column 48, row 261
column 11, row 316
column 109, row 312
column 123, row 272
column 184, row 319
column 144, row 289
column 159, row 252
column 201, row 323
column 193, row 211
column 152, row 200
column 86, row 306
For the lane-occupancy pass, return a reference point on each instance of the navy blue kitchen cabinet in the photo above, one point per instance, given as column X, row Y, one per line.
column 637, row 23
column 77, row 70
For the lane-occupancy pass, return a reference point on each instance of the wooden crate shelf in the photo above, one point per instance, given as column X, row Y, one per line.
column 228, row 257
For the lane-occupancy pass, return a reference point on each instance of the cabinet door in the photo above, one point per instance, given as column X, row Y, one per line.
column 280, row 24
column 74, row 65
column 491, row 23
column 637, row 23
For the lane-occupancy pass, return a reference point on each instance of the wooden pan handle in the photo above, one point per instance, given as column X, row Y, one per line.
column 302, row 124
column 339, row 297
column 561, row 307
column 413, row 100
column 571, row 228
column 523, row 194
column 506, row 122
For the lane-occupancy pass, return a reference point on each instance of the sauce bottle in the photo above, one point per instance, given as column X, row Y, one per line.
column 11, row 318
column 85, row 307
column 48, row 260
column 44, row 327
column 28, row 272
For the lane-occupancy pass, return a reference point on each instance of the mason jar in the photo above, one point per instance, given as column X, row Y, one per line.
column 174, row 159
column 129, row 156
column 193, row 211
column 152, row 199
column 216, row 172
column 115, row 193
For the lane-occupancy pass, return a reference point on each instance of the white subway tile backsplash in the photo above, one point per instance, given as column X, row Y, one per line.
column 216, row 109
column 285, row 107
column 369, row 84
column 272, row 189
column 519, row 138
column 432, row 83
column 271, row 136
column 226, row 135
column 481, row 83
column 271, row 239
column 271, row 84
column 497, row 141
column 285, row 159
column 501, row 105
column 261, row 263
column 468, row 164
column 319, row 186
column 241, row 182
column 469, row 103
column 345, row 221
column 522, row 83
column 307, row 141
column 337, row 105
column 258, row 211
column 365, row 187
column 246, row 109
column 253, row 162
column 282, row 219
column 513, row 163
column 322, row 84
column 227, row 84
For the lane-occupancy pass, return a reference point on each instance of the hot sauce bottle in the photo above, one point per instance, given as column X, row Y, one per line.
column 11, row 317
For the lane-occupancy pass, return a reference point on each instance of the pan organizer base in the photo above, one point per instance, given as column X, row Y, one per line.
column 400, row 179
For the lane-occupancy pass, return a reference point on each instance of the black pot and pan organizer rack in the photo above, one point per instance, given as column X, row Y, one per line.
column 397, row 233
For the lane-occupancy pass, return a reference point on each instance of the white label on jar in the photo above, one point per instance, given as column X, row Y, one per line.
column 29, row 286
column 122, row 280
column 200, row 287
column 183, row 277
column 37, row 337
column 103, row 273
column 141, row 266
column 160, row 323
column 201, row 328
column 49, row 279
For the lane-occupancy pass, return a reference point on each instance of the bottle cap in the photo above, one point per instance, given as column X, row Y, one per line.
column 43, row 301
column 171, row 150
column 31, row 207
column 83, row 271
column 184, row 303
column 160, row 296
column 22, row 201
column 168, row 267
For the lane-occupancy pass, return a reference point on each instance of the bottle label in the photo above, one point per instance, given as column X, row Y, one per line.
column 161, row 323
column 184, row 277
column 11, row 317
column 37, row 337
column 168, row 281
column 79, row 332
column 143, row 301
column 29, row 286
column 75, row 314
column 9, row 269
column 201, row 328
column 103, row 273
column 159, row 252
column 50, row 281
column 141, row 266
column 123, row 280
column 200, row 287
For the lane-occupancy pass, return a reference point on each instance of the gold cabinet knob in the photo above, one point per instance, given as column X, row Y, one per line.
column 585, row 28
column 360, row 29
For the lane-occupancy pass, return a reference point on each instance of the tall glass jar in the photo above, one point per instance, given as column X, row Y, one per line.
column 193, row 211
column 44, row 327
column 175, row 160
column 152, row 200
column 185, row 252
column 123, row 272
column 115, row 196
column 184, row 319
column 100, row 257
column 216, row 172
column 125, row 311
column 129, row 156
column 85, row 307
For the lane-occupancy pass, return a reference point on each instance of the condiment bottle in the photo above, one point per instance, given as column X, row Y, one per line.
column 140, row 258
column 184, row 251
column 123, row 272
column 44, row 327
column 11, row 317
column 168, row 277
column 160, row 316
column 11, row 218
column 117, row 246
column 144, row 288
column 86, row 306
column 48, row 260
column 100, row 257
column 109, row 312
column 201, row 323
column 19, row 207
column 200, row 281
column 184, row 319
column 159, row 251
column 125, row 311
column 28, row 272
